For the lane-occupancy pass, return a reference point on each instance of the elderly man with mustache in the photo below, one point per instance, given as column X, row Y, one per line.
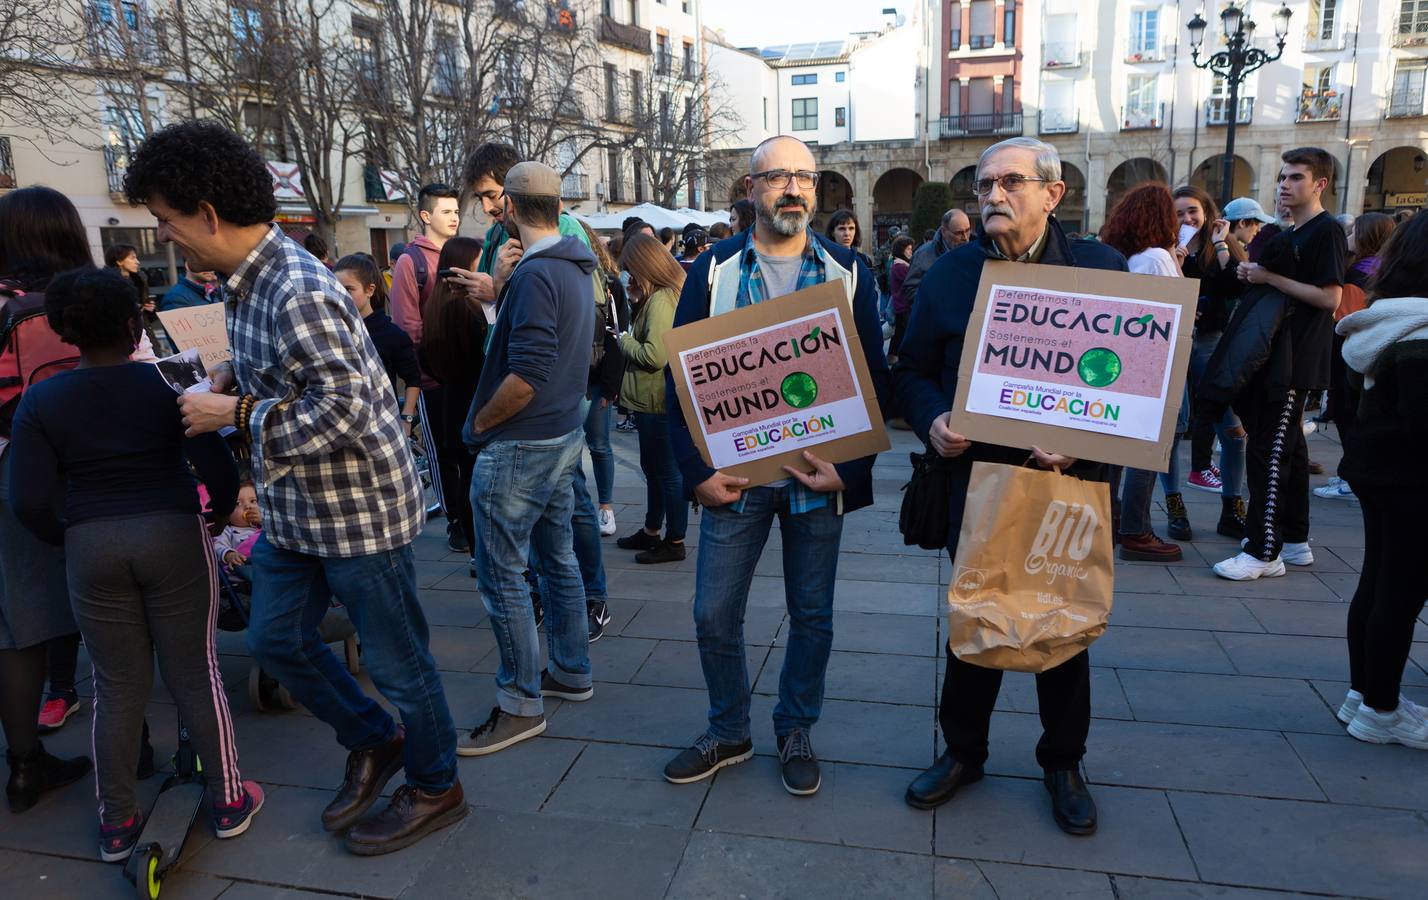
column 1018, row 186
column 778, row 256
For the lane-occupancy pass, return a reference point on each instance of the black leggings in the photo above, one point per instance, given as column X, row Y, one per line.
column 63, row 660
column 22, row 683
column 1392, row 589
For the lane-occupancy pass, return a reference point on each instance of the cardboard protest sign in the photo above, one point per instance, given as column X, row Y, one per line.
column 1084, row 362
column 761, row 384
column 199, row 328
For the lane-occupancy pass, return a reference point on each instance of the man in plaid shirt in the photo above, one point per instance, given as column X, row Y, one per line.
column 336, row 481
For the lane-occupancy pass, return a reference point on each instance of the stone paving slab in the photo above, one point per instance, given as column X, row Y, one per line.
column 1214, row 755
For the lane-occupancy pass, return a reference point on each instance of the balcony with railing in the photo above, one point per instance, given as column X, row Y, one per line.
column 1217, row 111
column 116, row 163
column 1062, row 55
column 575, row 186
column 1405, row 104
column 7, row 165
column 1058, row 121
column 687, row 69
column 1320, row 107
column 630, row 37
column 1143, row 118
column 663, row 62
column 981, row 41
column 979, row 124
column 1156, row 53
column 1411, row 30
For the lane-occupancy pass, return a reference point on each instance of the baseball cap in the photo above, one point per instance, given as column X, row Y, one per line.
column 532, row 179
column 1244, row 208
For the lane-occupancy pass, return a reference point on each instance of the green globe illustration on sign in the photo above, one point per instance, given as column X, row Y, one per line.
column 799, row 390
column 1099, row 367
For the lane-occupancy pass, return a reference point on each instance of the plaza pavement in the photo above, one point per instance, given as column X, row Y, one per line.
column 1214, row 756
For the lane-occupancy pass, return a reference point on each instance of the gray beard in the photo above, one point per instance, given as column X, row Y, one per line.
column 782, row 223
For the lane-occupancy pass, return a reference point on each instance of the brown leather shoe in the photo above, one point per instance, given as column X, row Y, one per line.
column 368, row 771
column 412, row 815
column 1148, row 548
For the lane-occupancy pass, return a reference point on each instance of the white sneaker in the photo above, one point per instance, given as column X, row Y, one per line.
column 1243, row 567
column 1294, row 554
column 1353, row 700
column 1336, row 489
column 607, row 522
column 1405, row 725
column 1309, row 427
column 1297, row 554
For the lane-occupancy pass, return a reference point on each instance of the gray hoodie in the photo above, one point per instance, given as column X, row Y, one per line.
column 545, row 325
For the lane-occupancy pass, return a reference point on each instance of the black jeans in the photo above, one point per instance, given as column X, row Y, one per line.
column 1277, row 472
column 1392, row 589
column 450, row 461
column 1063, row 697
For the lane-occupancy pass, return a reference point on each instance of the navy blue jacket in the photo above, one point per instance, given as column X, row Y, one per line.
column 188, row 292
column 925, row 379
column 693, row 306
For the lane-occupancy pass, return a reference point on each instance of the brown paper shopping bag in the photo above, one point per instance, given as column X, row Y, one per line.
column 1034, row 572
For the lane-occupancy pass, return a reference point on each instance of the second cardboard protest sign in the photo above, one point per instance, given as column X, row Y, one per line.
column 761, row 384
column 1083, row 362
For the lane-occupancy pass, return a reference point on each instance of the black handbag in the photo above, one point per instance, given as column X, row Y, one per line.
column 923, row 518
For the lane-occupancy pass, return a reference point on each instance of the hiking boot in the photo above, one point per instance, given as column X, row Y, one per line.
column 663, row 552
column 1206, row 480
column 1148, row 548
column 640, row 540
column 233, row 819
column 412, row 815
column 38, row 772
column 550, row 687
column 116, row 842
column 56, row 712
column 800, row 766
column 706, row 757
column 499, row 732
column 598, row 612
column 1232, row 518
column 368, row 772
column 1179, row 528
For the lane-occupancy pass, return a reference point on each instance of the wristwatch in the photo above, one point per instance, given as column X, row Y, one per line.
column 410, row 420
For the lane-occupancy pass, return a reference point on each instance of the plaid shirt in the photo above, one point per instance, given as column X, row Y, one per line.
column 334, row 473
column 752, row 290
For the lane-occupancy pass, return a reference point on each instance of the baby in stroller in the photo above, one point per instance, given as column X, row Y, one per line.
column 235, row 544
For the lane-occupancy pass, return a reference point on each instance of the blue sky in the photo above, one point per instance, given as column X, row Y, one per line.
column 760, row 23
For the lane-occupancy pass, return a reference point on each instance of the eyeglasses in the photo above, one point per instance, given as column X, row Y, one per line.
column 1011, row 183
column 778, row 178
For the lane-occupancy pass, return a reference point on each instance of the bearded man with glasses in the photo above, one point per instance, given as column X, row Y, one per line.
column 1018, row 186
column 778, row 256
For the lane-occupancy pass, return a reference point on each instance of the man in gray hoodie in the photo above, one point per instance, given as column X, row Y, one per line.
column 525, row 422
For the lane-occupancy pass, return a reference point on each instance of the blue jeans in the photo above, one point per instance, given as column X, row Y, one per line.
column 664, row 485
column 522, row 495
column 292, row 592
column 1137, row 489
column 585, row 523
column 730, row 544
column 597, row 438
column 1232, row 447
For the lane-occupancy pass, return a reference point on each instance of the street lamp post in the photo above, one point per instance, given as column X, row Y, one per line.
column 1233, row 63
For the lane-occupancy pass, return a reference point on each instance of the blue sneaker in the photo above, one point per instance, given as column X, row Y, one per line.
column 116, row 842
column 231, row 821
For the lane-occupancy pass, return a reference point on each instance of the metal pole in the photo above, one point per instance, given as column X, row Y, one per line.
column 1227, row 184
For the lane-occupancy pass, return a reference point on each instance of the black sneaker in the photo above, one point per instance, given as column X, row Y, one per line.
column 663, row 552
column 598, row 611
column 455, row 540
column 549, row 687
column 537, row 609
column 706, row 757
column 640, row 540
column 800, row 767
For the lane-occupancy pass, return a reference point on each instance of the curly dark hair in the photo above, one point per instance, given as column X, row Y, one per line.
column 193, row 162
column 899, row 244
column 1144, row 218
column 90, row 307
column 491, row 158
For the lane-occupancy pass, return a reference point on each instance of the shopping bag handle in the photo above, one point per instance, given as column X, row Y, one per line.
column 1031, row 464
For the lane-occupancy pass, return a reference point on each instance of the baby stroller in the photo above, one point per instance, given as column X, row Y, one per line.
column 264, row 692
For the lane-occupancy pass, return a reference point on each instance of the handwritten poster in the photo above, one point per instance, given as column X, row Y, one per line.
column 199, row 328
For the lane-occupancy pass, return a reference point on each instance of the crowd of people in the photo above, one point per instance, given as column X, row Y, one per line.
column 506, row 357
